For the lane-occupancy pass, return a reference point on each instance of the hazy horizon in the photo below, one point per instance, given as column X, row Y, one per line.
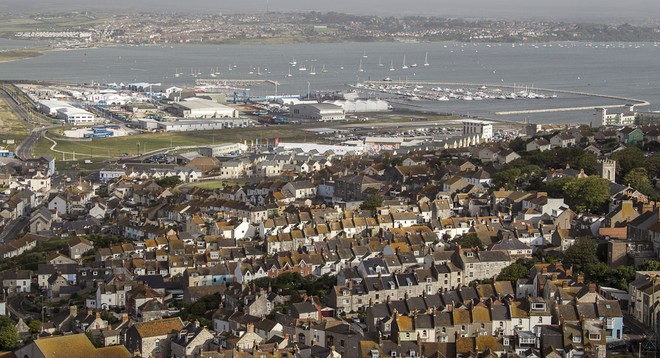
column 584, row 10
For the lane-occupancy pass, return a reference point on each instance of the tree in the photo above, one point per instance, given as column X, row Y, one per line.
column 507, row 178
column 555, row 188
column 471, row 240
column 169, row 182
column 513, row 272
column 581, row 255
column 589, row 193
column 628, row 159
column 35, row 326
column 518, row 145
column 638, row 178
column 598, row 272
column 8, row 336
column 372, row 203
column 587, row 162
column 650, row 265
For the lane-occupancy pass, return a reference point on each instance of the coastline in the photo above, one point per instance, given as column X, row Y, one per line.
column 22, row 54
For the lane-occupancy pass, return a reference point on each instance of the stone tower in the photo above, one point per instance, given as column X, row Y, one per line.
column 607, row 169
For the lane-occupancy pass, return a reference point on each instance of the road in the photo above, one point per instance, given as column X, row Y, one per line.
column 24, row 149
column 13, row 229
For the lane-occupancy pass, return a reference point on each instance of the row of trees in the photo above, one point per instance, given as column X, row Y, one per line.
column 583, row 257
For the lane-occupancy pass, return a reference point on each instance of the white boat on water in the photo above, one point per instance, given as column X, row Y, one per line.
column 364, row 54
column 302, row 68
column 392, row 66
column 426, row 60
column 360, row 69
column 324, row 70
column 293, row 62
column 404, row 66
column 380, row 63
column 289, row 74
column 312, row 71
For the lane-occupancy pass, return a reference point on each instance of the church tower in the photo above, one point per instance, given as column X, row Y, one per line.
column 607, row 169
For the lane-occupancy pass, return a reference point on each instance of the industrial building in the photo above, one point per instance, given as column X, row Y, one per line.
column 221, row 149
column 66, row 112
column 483, row 129
column 211, row 124
column 318, row 111
column 362, row 105
column 203, row 108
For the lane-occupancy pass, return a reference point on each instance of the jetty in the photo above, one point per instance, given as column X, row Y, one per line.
column 625, row 100
column 229, row 82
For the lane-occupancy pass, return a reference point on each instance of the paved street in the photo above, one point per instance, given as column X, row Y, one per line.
column 13, row 229
column 24, row 149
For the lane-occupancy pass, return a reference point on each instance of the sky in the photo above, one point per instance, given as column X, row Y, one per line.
column 597, row 10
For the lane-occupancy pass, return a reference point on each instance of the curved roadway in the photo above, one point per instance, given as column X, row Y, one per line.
column 24, row 148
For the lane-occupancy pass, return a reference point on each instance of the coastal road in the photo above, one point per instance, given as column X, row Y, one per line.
column 24, row 149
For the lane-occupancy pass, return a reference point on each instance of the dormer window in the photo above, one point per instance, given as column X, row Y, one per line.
column 538, row 306
column 470, row 254
column 576, row 339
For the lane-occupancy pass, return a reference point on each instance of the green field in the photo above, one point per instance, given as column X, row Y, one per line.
column 211, row 184
column 11, row 127
column 102, row 150
column 128, row 145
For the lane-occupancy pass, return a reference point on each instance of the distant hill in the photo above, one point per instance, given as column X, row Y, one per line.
column 633, row 11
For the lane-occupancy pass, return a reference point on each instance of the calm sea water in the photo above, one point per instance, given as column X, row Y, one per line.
column 620, row 69
column 7, row 44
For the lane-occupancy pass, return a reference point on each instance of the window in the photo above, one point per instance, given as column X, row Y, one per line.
column 538, row 306
column 157, row 350
column 463, row 327
column 444, row 339
column 501, row 323
column 540, row 319
column 576, row 339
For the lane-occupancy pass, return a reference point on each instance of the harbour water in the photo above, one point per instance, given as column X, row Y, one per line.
column 618, row 69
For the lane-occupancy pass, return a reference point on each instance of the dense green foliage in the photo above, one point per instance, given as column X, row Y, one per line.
column 169, row 182
column 292, row 282
column 590, row 193
column 202, row 310
column 471, row 240
column 372, row 203
column 581, row 255
column 8, row 334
